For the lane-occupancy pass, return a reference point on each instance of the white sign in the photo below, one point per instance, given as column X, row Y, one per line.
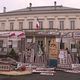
column 62, row 54
column 74, row 66
column 77, row 34
column 47, row 33
column 74, row 50
column 4, row 33
column 64, row 40
column 14, row 43
column 66, row 34
column 29, row 40
column 58, row 39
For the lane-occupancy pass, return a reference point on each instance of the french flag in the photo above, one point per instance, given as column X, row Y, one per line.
column 12, row 34
column 37, row 24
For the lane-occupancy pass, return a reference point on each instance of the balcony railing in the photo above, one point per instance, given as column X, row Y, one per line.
column 45, row 30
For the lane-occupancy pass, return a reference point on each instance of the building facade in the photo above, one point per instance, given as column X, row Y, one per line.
column 59, row 22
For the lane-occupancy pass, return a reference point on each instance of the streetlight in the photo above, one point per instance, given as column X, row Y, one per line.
column 61, row 40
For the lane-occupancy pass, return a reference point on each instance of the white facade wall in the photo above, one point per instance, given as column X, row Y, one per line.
column 67, row 25
column 7, row 25
column 66, row 17
column 77, row 23
column 43, row 17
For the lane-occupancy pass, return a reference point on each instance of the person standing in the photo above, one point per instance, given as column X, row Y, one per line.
column 61, row 56
column 69, row 57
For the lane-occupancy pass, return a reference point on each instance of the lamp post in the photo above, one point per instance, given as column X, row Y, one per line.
column 61, row 39
column 61, row 44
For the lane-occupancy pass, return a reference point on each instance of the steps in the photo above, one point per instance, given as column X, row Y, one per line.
column 44, row 71
column 66, row 66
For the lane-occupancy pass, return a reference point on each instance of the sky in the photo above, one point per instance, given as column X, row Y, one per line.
column 19, row 4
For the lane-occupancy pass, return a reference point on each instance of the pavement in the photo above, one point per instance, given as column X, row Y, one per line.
column 59, row 75
column 68, row 70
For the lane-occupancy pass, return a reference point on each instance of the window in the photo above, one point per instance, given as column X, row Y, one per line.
column 1, row 43
column 10, row 46
column 41, row 24
column 20, row 25
column 30, row 25
column 50, row 24
column 61, row 24
column 29, row 40
column 2, row 26
column 10, row 43
column 14, row 44
column 11, row 26
column 73, row 46
column 72, row 24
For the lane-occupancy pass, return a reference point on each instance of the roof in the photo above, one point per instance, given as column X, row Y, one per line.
column 41, row 9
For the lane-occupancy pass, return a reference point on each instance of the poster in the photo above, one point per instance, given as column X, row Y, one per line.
column 53, row 53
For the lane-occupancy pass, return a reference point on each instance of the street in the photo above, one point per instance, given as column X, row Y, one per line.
column 59, row 75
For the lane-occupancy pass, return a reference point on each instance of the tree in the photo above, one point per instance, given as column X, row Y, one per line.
column 13, row 54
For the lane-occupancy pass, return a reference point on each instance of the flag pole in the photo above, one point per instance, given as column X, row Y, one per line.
column 61, row 42
column 37, row 24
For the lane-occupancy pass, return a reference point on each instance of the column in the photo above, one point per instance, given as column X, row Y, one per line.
column 45, row 46
column 45, row 22
column 56, row 22
column 16, row 27
column 34, row 39
column 77, row 23
column 7, row 25
column 25, row 23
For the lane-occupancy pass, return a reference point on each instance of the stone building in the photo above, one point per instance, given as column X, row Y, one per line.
column 55, row 21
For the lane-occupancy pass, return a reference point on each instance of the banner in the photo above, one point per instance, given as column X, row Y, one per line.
column 53, row 54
